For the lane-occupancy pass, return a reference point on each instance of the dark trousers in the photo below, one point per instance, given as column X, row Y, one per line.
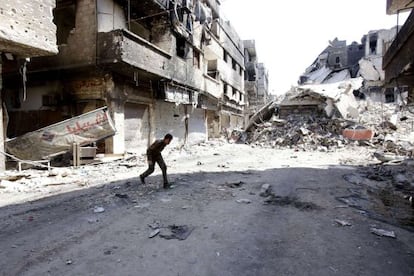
column 151, row 165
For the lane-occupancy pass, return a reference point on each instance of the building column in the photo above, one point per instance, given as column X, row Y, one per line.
column 116, row 144
column 2, row 132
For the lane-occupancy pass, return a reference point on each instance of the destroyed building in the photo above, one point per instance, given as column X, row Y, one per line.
column 339, row 62
column 398, row 60
column 26, row 30
column 256, row 78
column 160, row 66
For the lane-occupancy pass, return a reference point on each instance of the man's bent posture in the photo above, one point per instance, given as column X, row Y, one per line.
column 154, row 155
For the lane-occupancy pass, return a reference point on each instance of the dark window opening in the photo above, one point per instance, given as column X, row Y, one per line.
column 181, row 47
column 224, row 89
column 373, row 46
column 234, row 92
column 196, row 58
column 389, row 95
column 64, row 18
column 240, row 71
column 225, row 55
column 337, row 60
column 234, row 64
column 241, row 97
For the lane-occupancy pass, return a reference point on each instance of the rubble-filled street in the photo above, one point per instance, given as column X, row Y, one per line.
column 234, row 209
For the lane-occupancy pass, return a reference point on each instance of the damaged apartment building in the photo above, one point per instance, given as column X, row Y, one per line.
column 398, row 59
column 256, row 78
column 26, row 30
column 158, row 65
column 340, row 62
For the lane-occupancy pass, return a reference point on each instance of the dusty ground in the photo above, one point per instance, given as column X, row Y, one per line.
column 294, row 234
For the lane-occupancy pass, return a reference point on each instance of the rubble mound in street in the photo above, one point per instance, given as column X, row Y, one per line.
column 311, row 133
column 393, row 131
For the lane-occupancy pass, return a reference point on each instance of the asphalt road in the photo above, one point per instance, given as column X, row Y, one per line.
column 295, row 234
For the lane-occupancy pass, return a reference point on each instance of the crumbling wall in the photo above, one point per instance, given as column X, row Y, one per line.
column 27, row 28
column 79, row 47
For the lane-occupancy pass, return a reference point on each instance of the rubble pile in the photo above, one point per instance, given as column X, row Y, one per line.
column 393, row 131
column 312, row 133
column 393, row 127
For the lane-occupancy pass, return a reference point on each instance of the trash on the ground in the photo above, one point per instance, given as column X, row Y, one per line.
column 199, row 163
column 383, row 233
column 98, row 209
column 244, row 200
column 265, row 190
column 69, row 262
column 185, row 207
column 154, row 233
column 179, row 232
column 343, row 222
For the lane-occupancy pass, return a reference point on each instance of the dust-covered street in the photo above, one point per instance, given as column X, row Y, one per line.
column 321, row 215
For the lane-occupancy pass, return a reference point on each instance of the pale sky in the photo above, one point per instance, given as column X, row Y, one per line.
column 291, row 34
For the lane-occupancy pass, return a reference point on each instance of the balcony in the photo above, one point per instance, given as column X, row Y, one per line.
column 120, row 48
column 394, row 6
column 398, row 61
column 212, row 86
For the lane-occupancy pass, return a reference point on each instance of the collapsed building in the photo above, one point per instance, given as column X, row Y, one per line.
column 158, row 65
column 340, row 61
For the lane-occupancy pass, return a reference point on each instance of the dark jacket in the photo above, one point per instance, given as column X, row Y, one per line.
column 155, row 149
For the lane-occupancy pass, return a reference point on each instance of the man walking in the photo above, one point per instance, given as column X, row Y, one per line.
column 154, row 155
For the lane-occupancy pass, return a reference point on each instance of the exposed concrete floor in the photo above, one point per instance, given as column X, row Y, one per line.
column 61, row 235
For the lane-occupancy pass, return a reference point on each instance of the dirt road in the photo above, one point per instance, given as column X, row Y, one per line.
column 229, row 228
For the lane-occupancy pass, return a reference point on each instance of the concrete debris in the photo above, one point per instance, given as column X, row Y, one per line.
column 342, row 222
column 98, row 209
column 265, row 190
column 306, row 133
column 236, row 184
column 383, row 233
column 378, row 126
column 244, row 200
column 154, row 233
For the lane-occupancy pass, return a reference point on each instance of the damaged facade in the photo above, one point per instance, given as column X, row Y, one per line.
column 256, row 78
column 26, row 30
column 160, row 66
column 398, row 60
column 339, row 62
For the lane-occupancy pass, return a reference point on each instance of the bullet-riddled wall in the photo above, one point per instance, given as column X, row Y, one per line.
column 27, row 28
